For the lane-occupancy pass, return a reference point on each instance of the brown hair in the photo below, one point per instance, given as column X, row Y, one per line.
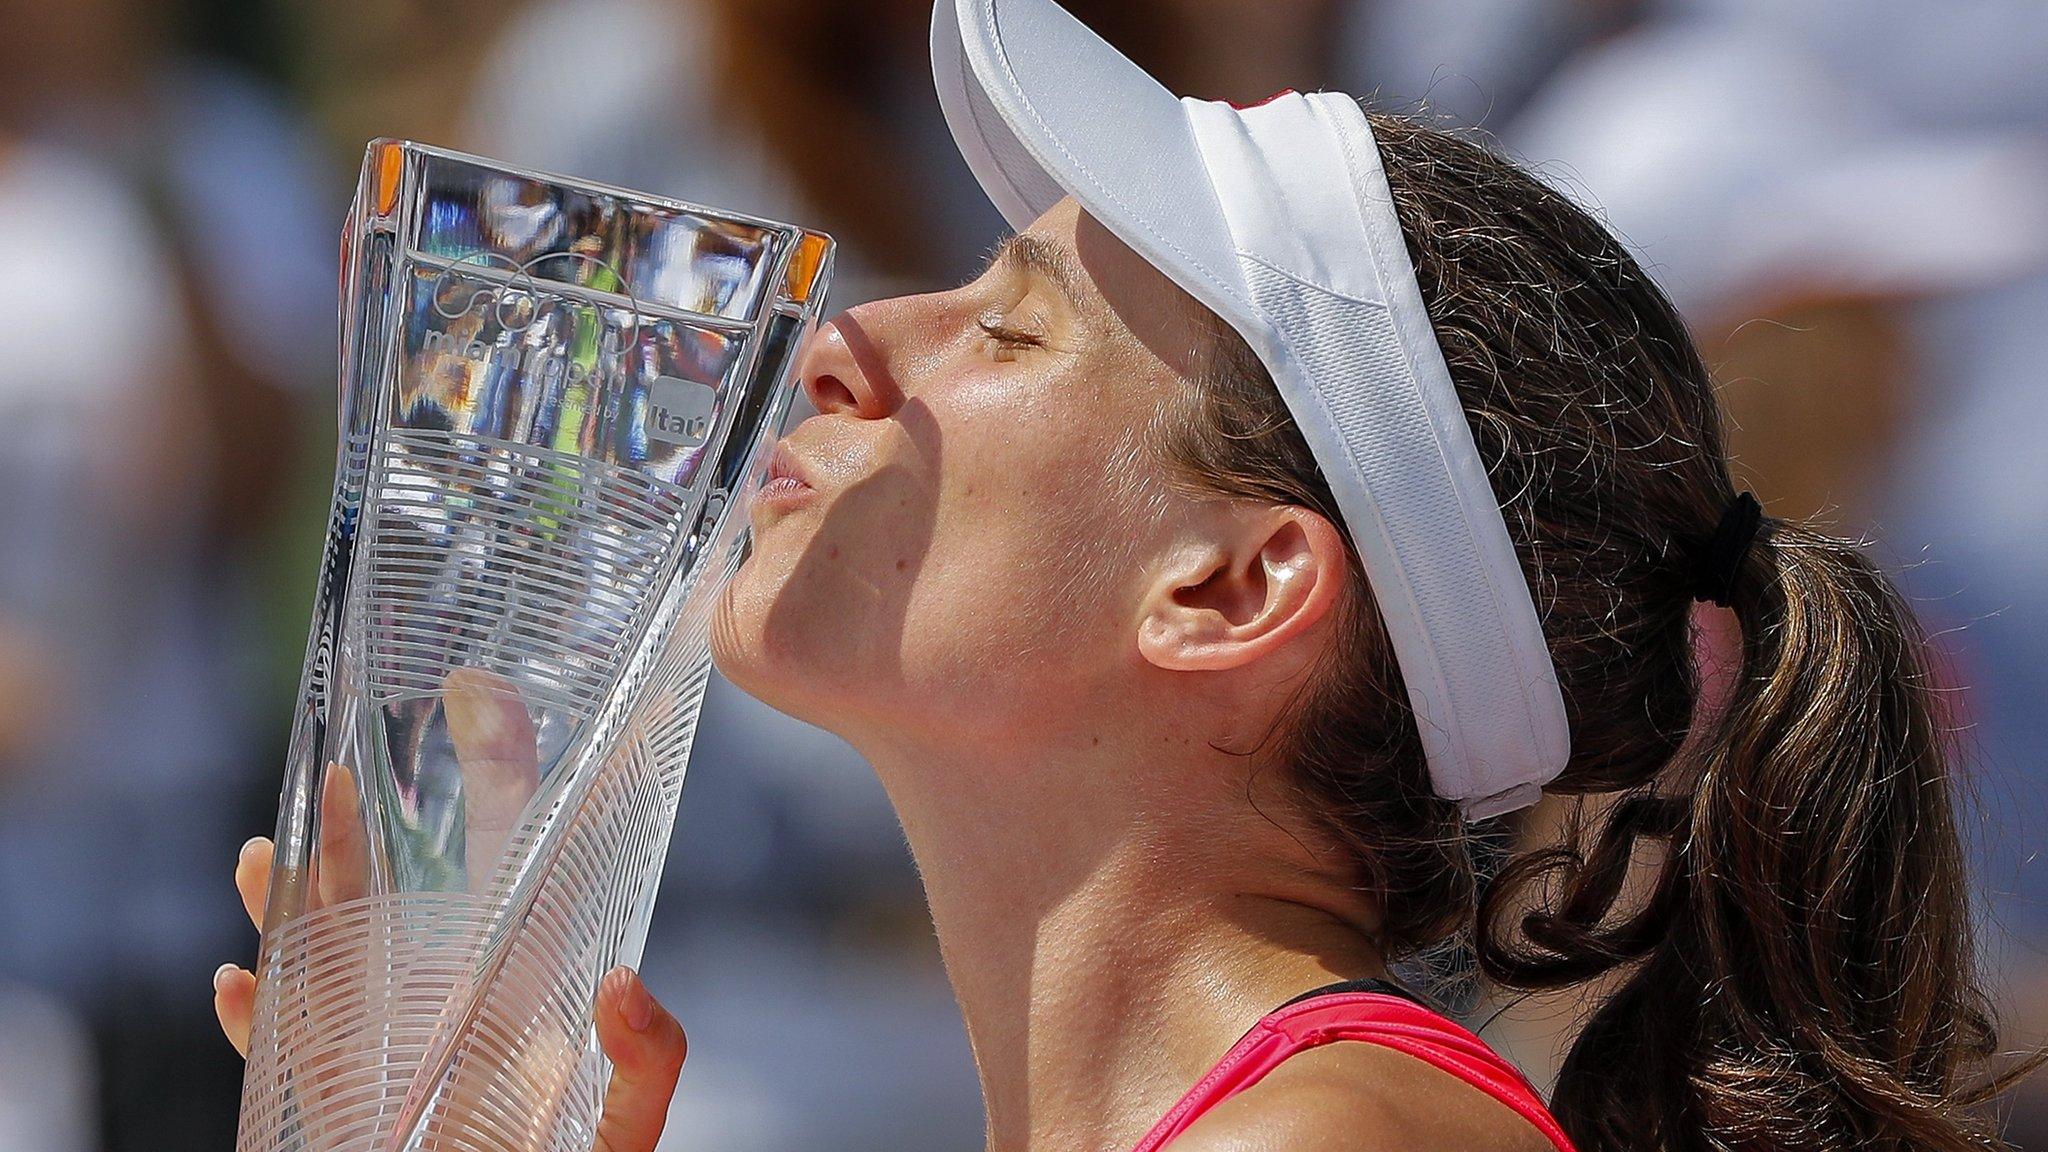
column 1798, row 972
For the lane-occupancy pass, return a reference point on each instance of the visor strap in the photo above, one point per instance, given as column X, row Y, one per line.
column 1350, row 346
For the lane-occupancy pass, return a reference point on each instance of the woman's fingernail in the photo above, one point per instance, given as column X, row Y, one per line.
column 636, row 1005
column 220, row 976
column 248, row 846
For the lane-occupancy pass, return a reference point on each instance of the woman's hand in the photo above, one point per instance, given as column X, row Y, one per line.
column 644, row 1042
column 494, row 742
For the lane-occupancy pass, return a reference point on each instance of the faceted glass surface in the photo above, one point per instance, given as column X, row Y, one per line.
column 554, row 400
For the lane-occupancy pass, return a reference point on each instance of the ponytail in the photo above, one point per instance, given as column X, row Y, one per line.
column 1800, row 973
column 1776, row 891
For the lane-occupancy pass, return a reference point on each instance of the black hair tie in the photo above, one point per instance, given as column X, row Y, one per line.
column 1718, row 564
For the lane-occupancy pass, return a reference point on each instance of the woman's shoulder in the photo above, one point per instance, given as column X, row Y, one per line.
column 1361, row 1098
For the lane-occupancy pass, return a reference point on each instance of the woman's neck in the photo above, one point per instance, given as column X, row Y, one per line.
column 1103, row 961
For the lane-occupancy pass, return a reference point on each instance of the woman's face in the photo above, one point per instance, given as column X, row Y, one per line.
column 964, row 533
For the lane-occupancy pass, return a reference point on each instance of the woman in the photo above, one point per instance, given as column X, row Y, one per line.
column 1295, row 493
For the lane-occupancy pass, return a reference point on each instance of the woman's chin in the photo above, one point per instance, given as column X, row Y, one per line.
column 740, row 654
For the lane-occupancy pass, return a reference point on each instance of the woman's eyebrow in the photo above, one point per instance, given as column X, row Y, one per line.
column 1025, row 252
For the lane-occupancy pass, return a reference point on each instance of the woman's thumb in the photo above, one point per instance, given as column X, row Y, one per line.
column 646, row 1048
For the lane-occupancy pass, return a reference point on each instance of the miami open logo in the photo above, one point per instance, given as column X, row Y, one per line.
column 485, row 289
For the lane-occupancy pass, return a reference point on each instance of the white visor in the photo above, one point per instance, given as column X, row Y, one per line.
column 1279, row 219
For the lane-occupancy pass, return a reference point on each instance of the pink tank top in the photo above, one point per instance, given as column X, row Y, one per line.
column 1355, row 1011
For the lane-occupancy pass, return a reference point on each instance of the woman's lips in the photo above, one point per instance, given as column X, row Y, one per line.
column 783, row 489
column 786, row 483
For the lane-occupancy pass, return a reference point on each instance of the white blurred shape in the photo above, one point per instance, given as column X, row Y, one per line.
column 1733, row 164
column 46, row 1076
column 1472, row 60
column 1957, row 62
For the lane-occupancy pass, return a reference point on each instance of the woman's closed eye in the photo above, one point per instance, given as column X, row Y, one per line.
column 1007, row 341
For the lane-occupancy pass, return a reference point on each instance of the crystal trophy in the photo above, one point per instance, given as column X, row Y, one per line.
column 554, row 402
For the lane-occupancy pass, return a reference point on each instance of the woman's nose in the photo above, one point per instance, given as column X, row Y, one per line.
column 842, row 373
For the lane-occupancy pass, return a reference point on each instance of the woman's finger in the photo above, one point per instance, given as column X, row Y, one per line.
column 496, row 745
column 252, row 877
column 343, row 867
column 646, row 1048
column 234, row 1001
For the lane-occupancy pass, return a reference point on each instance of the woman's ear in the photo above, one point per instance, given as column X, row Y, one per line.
column 1257, row 578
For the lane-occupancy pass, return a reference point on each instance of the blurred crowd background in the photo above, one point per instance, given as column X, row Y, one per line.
column 1849, row 198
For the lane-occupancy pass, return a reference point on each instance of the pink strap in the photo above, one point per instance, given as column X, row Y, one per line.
column 1369, row 1017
